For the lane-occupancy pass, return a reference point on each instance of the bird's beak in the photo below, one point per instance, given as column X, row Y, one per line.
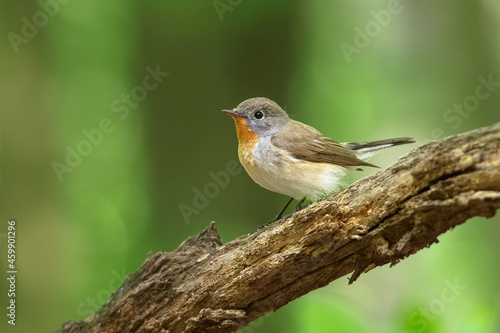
column 232, row 113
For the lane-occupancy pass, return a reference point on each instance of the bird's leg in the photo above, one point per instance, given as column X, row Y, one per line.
column 299, row 206
column 280, row 214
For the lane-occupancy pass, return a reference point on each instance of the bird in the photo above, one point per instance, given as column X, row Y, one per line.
column 286, row 156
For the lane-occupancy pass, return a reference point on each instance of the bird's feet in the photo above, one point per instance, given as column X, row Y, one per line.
column 277, row 218
column 299, row 207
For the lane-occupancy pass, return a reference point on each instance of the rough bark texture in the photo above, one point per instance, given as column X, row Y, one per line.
column 204, row 286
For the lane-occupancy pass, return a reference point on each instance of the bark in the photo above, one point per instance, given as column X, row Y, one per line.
column 205, row 286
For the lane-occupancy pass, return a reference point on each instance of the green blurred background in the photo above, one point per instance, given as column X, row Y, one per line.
column 356, row 70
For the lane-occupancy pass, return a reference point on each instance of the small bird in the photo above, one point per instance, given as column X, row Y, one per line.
column 288, row 157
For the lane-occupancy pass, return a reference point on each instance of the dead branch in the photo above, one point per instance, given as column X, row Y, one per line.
column 204, row 286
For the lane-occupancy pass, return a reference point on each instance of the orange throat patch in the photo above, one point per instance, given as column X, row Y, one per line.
column 247, row 140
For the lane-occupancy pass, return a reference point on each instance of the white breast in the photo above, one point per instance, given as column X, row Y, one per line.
column 279, row 172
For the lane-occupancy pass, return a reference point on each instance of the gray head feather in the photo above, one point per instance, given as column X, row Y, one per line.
column 263, row 115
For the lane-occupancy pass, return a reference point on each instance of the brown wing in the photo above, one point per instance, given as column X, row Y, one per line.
column 306, row 143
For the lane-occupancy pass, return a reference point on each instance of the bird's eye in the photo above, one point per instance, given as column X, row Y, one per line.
column 258, row 115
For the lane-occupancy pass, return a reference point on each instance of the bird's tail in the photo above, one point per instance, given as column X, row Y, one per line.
column 364, row 150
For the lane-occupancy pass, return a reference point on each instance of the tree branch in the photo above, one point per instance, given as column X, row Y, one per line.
column 204, row 286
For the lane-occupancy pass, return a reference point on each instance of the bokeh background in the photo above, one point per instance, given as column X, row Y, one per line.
column 356, row 70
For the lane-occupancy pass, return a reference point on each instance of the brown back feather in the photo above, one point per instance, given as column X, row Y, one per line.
column 306, row 143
